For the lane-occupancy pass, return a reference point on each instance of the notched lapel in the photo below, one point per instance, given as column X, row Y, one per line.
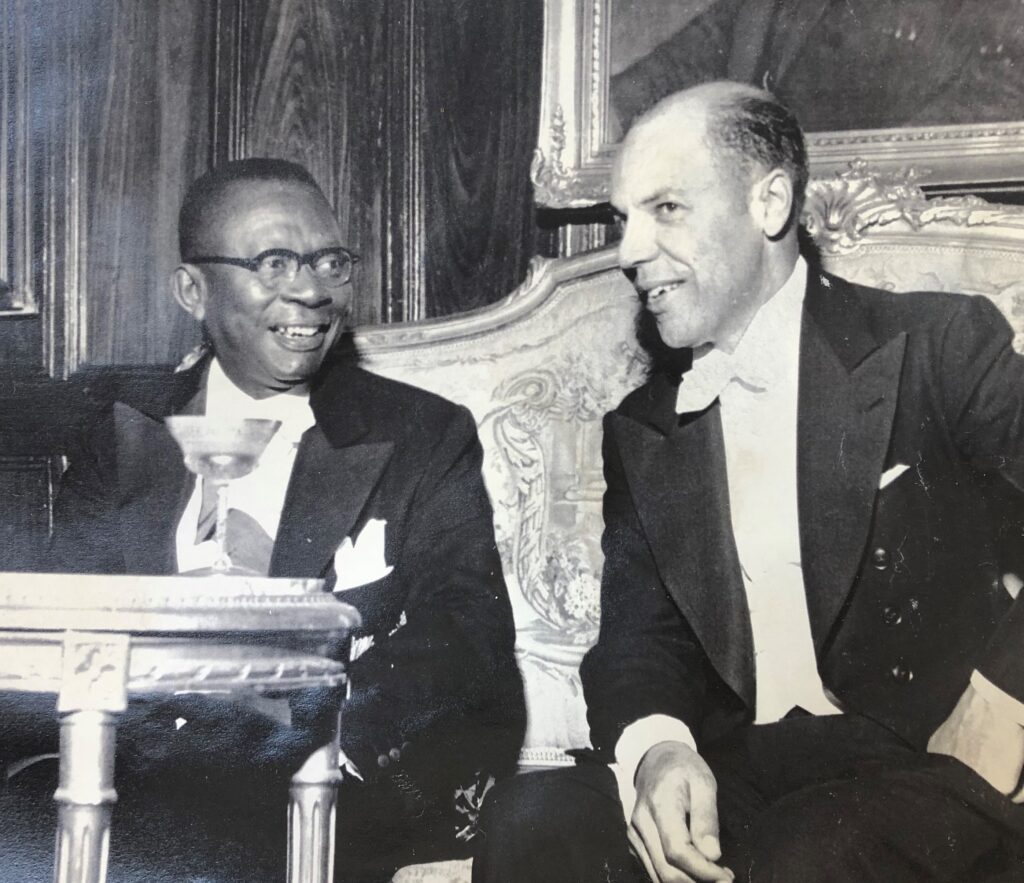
column 154, row 486
column 328, row 489
column 678, row 485
column 845, row 423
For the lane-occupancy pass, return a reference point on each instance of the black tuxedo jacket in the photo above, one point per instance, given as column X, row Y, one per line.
column 903, row 584
column 440, row 692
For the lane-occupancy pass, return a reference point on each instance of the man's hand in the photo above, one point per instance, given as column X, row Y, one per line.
column 980, row 735
column 674, row 828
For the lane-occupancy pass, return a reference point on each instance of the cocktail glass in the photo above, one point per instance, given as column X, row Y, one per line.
column 219, row 451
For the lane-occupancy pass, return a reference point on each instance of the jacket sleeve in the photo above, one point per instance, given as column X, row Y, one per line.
column 647, row 659
column 983, row 388
column 86, row 532
column 441, row 695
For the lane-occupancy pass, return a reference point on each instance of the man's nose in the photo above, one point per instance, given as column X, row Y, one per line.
column 307, row 288
column 638, row 244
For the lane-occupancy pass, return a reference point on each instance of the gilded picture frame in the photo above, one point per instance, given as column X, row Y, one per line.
column 574, row 153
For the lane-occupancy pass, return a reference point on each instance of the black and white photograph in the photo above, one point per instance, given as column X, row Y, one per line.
column 512, row 441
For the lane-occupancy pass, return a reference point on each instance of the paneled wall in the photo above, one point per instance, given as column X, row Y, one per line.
column 418, row 117
column 146, row 133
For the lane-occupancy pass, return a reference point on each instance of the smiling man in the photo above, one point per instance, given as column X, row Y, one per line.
column 373, row 486
column 809, row 666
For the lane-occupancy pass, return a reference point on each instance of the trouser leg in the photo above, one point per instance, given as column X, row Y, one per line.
column 558, row 826
column 847, row 800
column 931, row 820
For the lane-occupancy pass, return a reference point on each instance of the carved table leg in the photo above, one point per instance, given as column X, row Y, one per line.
column 311, row 816
column 92, row 696
column 85, row 795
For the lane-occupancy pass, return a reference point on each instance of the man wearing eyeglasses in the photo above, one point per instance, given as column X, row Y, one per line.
column 370, row 484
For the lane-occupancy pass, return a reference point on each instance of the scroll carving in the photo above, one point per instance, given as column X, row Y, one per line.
column 840, row 210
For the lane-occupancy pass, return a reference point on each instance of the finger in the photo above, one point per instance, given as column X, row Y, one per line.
column 640, row 851
column 689, row 860
column 704, row 819
column 681, row 853
column 664, row 871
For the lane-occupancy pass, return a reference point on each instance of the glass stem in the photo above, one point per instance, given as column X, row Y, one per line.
column 223, row 562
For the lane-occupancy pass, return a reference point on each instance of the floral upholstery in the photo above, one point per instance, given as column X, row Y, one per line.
column 538, row 371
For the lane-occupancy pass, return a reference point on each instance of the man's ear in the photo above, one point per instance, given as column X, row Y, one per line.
column 189, row 288
column 773, row 202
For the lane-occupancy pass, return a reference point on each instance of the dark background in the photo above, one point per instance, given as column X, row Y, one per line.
column 418, row 117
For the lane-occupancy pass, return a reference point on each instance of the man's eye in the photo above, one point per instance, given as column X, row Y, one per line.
column 668, row 209
column 274, row 262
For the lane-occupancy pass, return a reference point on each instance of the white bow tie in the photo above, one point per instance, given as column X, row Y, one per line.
column 710, row 375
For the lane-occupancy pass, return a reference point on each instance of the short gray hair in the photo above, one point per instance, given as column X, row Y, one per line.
column 761, row 131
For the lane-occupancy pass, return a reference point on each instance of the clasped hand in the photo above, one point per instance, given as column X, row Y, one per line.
column 981, row 736
column 674, row 827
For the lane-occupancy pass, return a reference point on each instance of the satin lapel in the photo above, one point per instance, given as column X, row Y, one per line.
column 154, row 485
column 844, row 426
column 327, row 492
column 678, row 485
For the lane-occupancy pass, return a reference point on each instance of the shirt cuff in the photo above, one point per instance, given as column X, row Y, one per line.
column 636, row 740
column 642, row 735
column 1003, row 701
column 346, row 765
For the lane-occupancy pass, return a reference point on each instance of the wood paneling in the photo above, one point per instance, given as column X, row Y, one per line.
column 40, row 208
column 147, row 126
column 419, row 119
column 304, row 80
column 479, row 112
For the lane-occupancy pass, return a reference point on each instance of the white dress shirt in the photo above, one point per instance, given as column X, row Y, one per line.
column 261, row 493
column 757, row 388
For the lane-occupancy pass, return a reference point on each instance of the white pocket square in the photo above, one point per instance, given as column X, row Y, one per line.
column 890, row 475
column 361, row 562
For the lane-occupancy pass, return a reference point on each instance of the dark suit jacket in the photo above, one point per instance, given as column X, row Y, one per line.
column 903, row 584
column 443, row 689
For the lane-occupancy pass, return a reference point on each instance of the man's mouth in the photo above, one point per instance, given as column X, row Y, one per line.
column 300, row 336
column 656, row 291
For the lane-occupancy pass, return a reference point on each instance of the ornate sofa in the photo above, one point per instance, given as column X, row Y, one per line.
column 540, row 368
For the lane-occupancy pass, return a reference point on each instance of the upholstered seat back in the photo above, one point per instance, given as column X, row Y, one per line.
column 883, row 231
column 539, row 370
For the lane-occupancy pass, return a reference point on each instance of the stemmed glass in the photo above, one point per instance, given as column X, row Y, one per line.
column 221, row 450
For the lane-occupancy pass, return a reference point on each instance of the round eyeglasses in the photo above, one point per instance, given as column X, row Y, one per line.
column 280, row 266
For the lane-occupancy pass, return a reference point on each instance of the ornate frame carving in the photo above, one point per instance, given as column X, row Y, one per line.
column 843, row 209
column 572, row 161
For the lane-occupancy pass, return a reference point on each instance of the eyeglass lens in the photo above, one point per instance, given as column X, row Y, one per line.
column 333, row 267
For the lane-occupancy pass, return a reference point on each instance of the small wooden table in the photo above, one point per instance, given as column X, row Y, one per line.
column 96, row 640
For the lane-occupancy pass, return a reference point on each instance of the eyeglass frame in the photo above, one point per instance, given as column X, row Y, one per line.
column 310, row 258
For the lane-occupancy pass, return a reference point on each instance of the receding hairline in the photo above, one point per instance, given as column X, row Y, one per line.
column 207, row 193
column 218, row 205
column 709, row 98
column 694, row 106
